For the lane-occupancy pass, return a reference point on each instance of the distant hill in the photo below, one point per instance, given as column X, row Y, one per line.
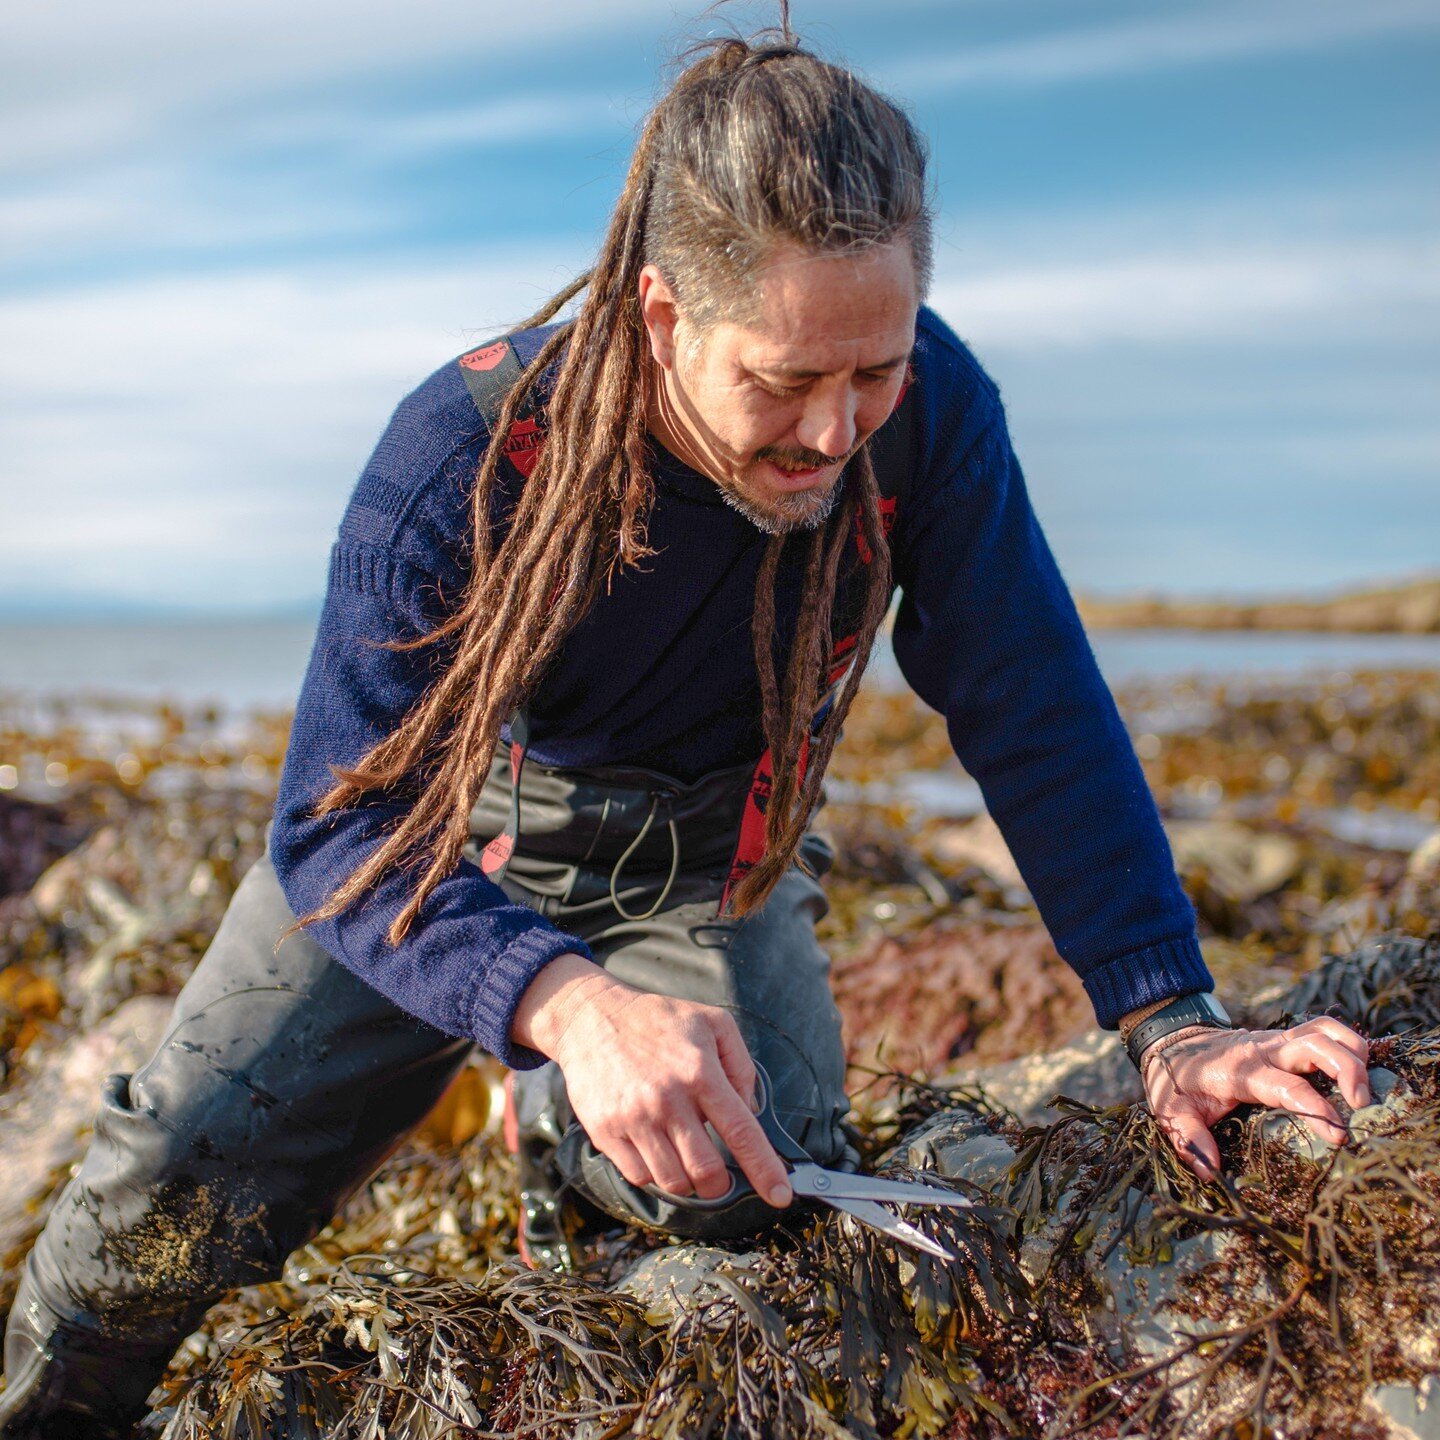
column 1408, row 609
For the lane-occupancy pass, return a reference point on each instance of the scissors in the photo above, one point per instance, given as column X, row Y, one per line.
column 857, row 1195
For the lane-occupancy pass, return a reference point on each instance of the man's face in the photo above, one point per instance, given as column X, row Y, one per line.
column 772, row 409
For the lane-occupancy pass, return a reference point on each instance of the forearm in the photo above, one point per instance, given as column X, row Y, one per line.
column 1001, row 653
column 470, row 955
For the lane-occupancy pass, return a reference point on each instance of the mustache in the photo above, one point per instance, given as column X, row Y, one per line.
column 800, row 459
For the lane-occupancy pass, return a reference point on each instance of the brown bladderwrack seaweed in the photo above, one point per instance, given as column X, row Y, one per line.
column 1324, row 1282
column 1280, row 1314
column 1103, row 1290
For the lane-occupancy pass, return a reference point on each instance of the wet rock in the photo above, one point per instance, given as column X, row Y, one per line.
column 960, row 1145
column 1282, row 1128
column 1094, row 1069
column 1149, row 1308
column 678, row 1278
column 1411, row 1411
column 1390, row 1100
column 44, row 1115
column 1424, row 862
column 979, row 843
column 1239, row 864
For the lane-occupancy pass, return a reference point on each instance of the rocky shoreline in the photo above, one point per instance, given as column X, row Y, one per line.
column 1103, row 1289
column 1411, row 609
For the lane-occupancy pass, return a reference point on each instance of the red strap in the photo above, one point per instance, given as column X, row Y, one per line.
column 750, row 846
column 489, row 374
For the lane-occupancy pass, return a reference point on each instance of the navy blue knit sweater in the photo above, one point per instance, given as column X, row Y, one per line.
column 661, row 673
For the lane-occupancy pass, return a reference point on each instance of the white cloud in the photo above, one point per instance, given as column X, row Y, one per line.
column 495, row 122
column 90, row 78
column 170, row 434
column 1197, row 34
column 1370, row 287
column 177, row 130
column 177, row 433
column 166, row 208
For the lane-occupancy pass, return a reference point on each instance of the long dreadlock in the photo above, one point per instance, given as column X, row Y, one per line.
column 756, row 144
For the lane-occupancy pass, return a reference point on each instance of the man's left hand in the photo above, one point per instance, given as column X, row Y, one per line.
column 1198, row 1080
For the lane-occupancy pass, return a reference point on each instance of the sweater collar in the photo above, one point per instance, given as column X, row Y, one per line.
column 673, row 474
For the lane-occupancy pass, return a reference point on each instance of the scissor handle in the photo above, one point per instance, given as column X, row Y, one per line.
column 786, row 1146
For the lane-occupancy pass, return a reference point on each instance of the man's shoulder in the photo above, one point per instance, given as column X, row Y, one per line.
column 441, row 410
column 951, row 401
column 413, row 496
column 946, row 369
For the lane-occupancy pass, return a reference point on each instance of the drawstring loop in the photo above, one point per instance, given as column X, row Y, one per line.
column 630, row 850
column 495, row 859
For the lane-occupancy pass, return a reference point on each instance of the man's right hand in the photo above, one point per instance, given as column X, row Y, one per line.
column 644, row 1073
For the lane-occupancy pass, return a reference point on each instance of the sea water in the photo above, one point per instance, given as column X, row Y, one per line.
column 260, row 663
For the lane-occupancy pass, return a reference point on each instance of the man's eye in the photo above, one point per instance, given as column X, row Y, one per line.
column 771, row 389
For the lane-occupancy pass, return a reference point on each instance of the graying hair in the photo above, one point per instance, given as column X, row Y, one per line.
column 777, row 147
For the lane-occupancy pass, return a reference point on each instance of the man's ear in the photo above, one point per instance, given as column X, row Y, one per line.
column 658, row 309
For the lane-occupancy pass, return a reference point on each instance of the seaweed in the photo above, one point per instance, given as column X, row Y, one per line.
column 375, row 1349
column 1102, row 1289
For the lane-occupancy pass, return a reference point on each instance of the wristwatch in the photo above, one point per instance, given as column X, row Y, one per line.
column 1200, row 1009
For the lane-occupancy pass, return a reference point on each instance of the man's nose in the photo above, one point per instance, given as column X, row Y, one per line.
column 828, row 424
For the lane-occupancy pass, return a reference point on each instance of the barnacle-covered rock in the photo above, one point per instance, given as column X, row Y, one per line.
column 1093, row 1068
column 1408, row 1412
column 677, row 1278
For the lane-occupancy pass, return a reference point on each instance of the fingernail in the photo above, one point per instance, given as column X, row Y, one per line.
column 779, row 1196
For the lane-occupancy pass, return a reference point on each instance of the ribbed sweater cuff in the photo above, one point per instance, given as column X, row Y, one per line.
column 505, row 980
column 1169, row 967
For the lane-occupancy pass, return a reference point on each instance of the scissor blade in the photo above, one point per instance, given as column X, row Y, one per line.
column 880, row 1218
column 830, row 1184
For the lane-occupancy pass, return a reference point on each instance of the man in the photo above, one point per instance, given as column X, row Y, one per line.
column 596, row 609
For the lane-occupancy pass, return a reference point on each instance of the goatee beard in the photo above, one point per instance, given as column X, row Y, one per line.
column 791, row 512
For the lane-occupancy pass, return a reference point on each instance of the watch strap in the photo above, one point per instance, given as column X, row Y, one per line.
column 1181, row 1014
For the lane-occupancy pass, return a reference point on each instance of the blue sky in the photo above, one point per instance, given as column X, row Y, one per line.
column 1195, row 243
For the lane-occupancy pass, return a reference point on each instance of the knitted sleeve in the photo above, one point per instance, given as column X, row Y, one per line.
column 987, row 634
column 472, row 952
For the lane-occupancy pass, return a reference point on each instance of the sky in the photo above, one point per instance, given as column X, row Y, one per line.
column 1195, row 243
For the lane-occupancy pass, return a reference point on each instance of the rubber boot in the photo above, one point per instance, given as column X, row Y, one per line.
column 44, row 1360
column 532, row 1133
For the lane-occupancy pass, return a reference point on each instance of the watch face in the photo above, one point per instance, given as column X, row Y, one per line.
column 1213, row 1008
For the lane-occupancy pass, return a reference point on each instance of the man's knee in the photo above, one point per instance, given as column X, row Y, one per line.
column 159, row 1218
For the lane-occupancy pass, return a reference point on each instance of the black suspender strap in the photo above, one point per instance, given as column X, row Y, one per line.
column 490, row 373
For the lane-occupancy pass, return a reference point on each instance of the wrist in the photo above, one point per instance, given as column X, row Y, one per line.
column 1175, row 1037
column 1129, row 1021
column 548, row 1006
column 1198, row 1009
